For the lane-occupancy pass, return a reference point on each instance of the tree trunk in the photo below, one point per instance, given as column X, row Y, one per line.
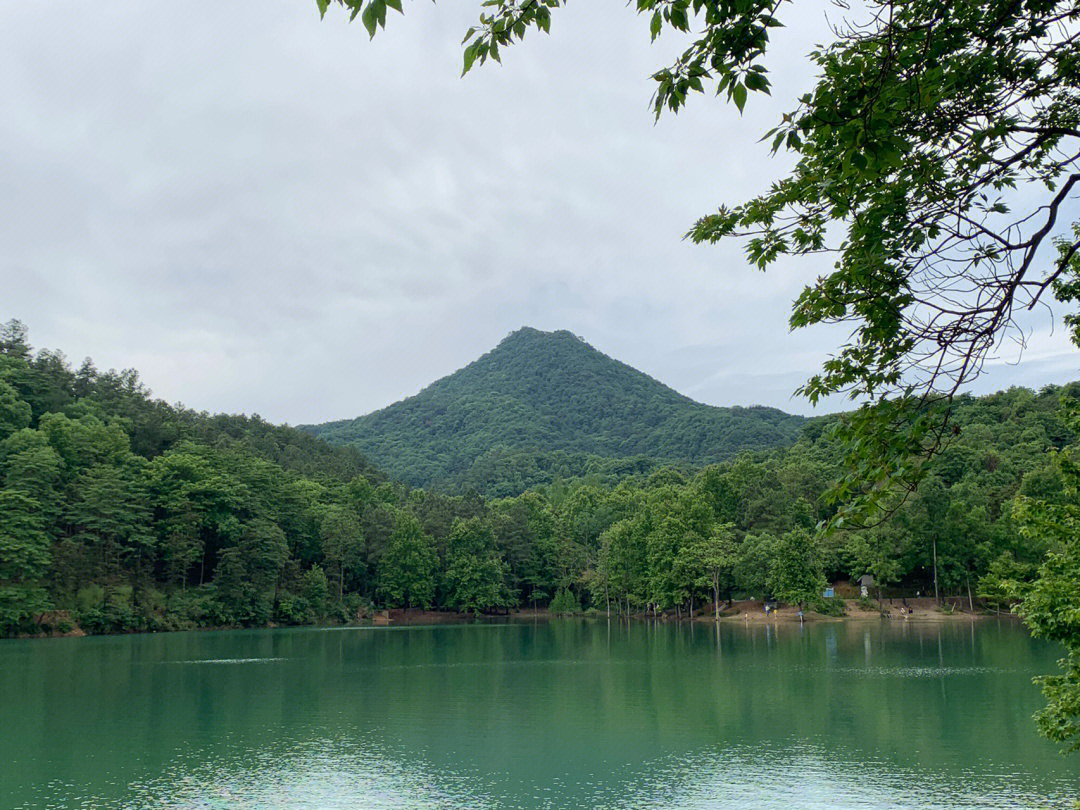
column 971, row 603
column 937, row 597
column 716, row 596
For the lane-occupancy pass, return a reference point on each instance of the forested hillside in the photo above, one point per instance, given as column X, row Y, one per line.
column 121, row 512
column 543, row 406
column 111, row 499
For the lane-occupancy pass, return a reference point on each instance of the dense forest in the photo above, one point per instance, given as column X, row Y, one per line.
column 118, row 511
column 542, row 406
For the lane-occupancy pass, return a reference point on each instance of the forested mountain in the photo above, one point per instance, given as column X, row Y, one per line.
column 543, row 406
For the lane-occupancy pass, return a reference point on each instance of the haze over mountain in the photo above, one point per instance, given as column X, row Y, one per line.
column 545, row 404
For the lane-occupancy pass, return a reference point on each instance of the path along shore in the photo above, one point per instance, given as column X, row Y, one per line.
column 922, row 609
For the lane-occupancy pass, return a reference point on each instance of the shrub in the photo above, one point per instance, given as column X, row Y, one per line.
column 349, row 609
column 195, row 607
column 866, row 603
column 830, row 607
column 18, row 607
column 565, row 602
column 101, row 611
column 315, row 590
column 92, row 597
column 294, row 610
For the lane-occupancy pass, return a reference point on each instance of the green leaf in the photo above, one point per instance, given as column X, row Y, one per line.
column 470, row 57
column 757, row 81
column 367, row 17
column 738, row 95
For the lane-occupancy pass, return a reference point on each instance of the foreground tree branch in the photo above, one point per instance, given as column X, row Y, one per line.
column 941, row 142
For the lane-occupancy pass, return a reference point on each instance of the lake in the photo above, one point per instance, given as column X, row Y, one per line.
column 560, row 714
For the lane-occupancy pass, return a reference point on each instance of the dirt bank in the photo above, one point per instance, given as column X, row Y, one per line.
column 923, row 609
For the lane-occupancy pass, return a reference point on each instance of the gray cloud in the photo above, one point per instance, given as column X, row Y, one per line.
column 265, row 212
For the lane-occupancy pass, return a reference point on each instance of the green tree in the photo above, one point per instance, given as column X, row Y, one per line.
column 751, row 571
column 713, row 558
column 297, row 508
column 14, row 340
column 342, row 543
column 315, row 590
column 999, row 584
column 24, row 560
column 408, row 565
column 248, row 574
column 30, row 465
column 795, row 576
column 475, row 571
column 930, row 510
column 14, row 413
column 110, row 512
column 525, row 533
column 1051, row 604
column 198, row 508
column 874, row 553
column 624, row 561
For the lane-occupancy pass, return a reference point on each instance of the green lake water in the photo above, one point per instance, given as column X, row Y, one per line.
column 562, row 714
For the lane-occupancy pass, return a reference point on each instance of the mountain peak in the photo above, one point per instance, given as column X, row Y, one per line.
column 531, row 334
column 538, row 396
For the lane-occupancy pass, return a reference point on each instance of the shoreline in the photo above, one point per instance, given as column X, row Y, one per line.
column 924, row 611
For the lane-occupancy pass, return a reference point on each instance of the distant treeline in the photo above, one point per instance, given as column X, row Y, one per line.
column 122, row 512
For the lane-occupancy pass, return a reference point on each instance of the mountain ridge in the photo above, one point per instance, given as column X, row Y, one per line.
column 551, row 393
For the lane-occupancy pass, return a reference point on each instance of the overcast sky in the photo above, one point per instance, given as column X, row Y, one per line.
column 267, row 213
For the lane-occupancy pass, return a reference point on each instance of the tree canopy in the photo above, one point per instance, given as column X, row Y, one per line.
column 1050, row 603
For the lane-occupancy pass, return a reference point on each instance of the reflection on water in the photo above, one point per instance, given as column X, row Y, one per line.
column 803, row 777
column 919, row 672
column 320, row 775
column 559, row 715
column 226, row 661
column 333, row 776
